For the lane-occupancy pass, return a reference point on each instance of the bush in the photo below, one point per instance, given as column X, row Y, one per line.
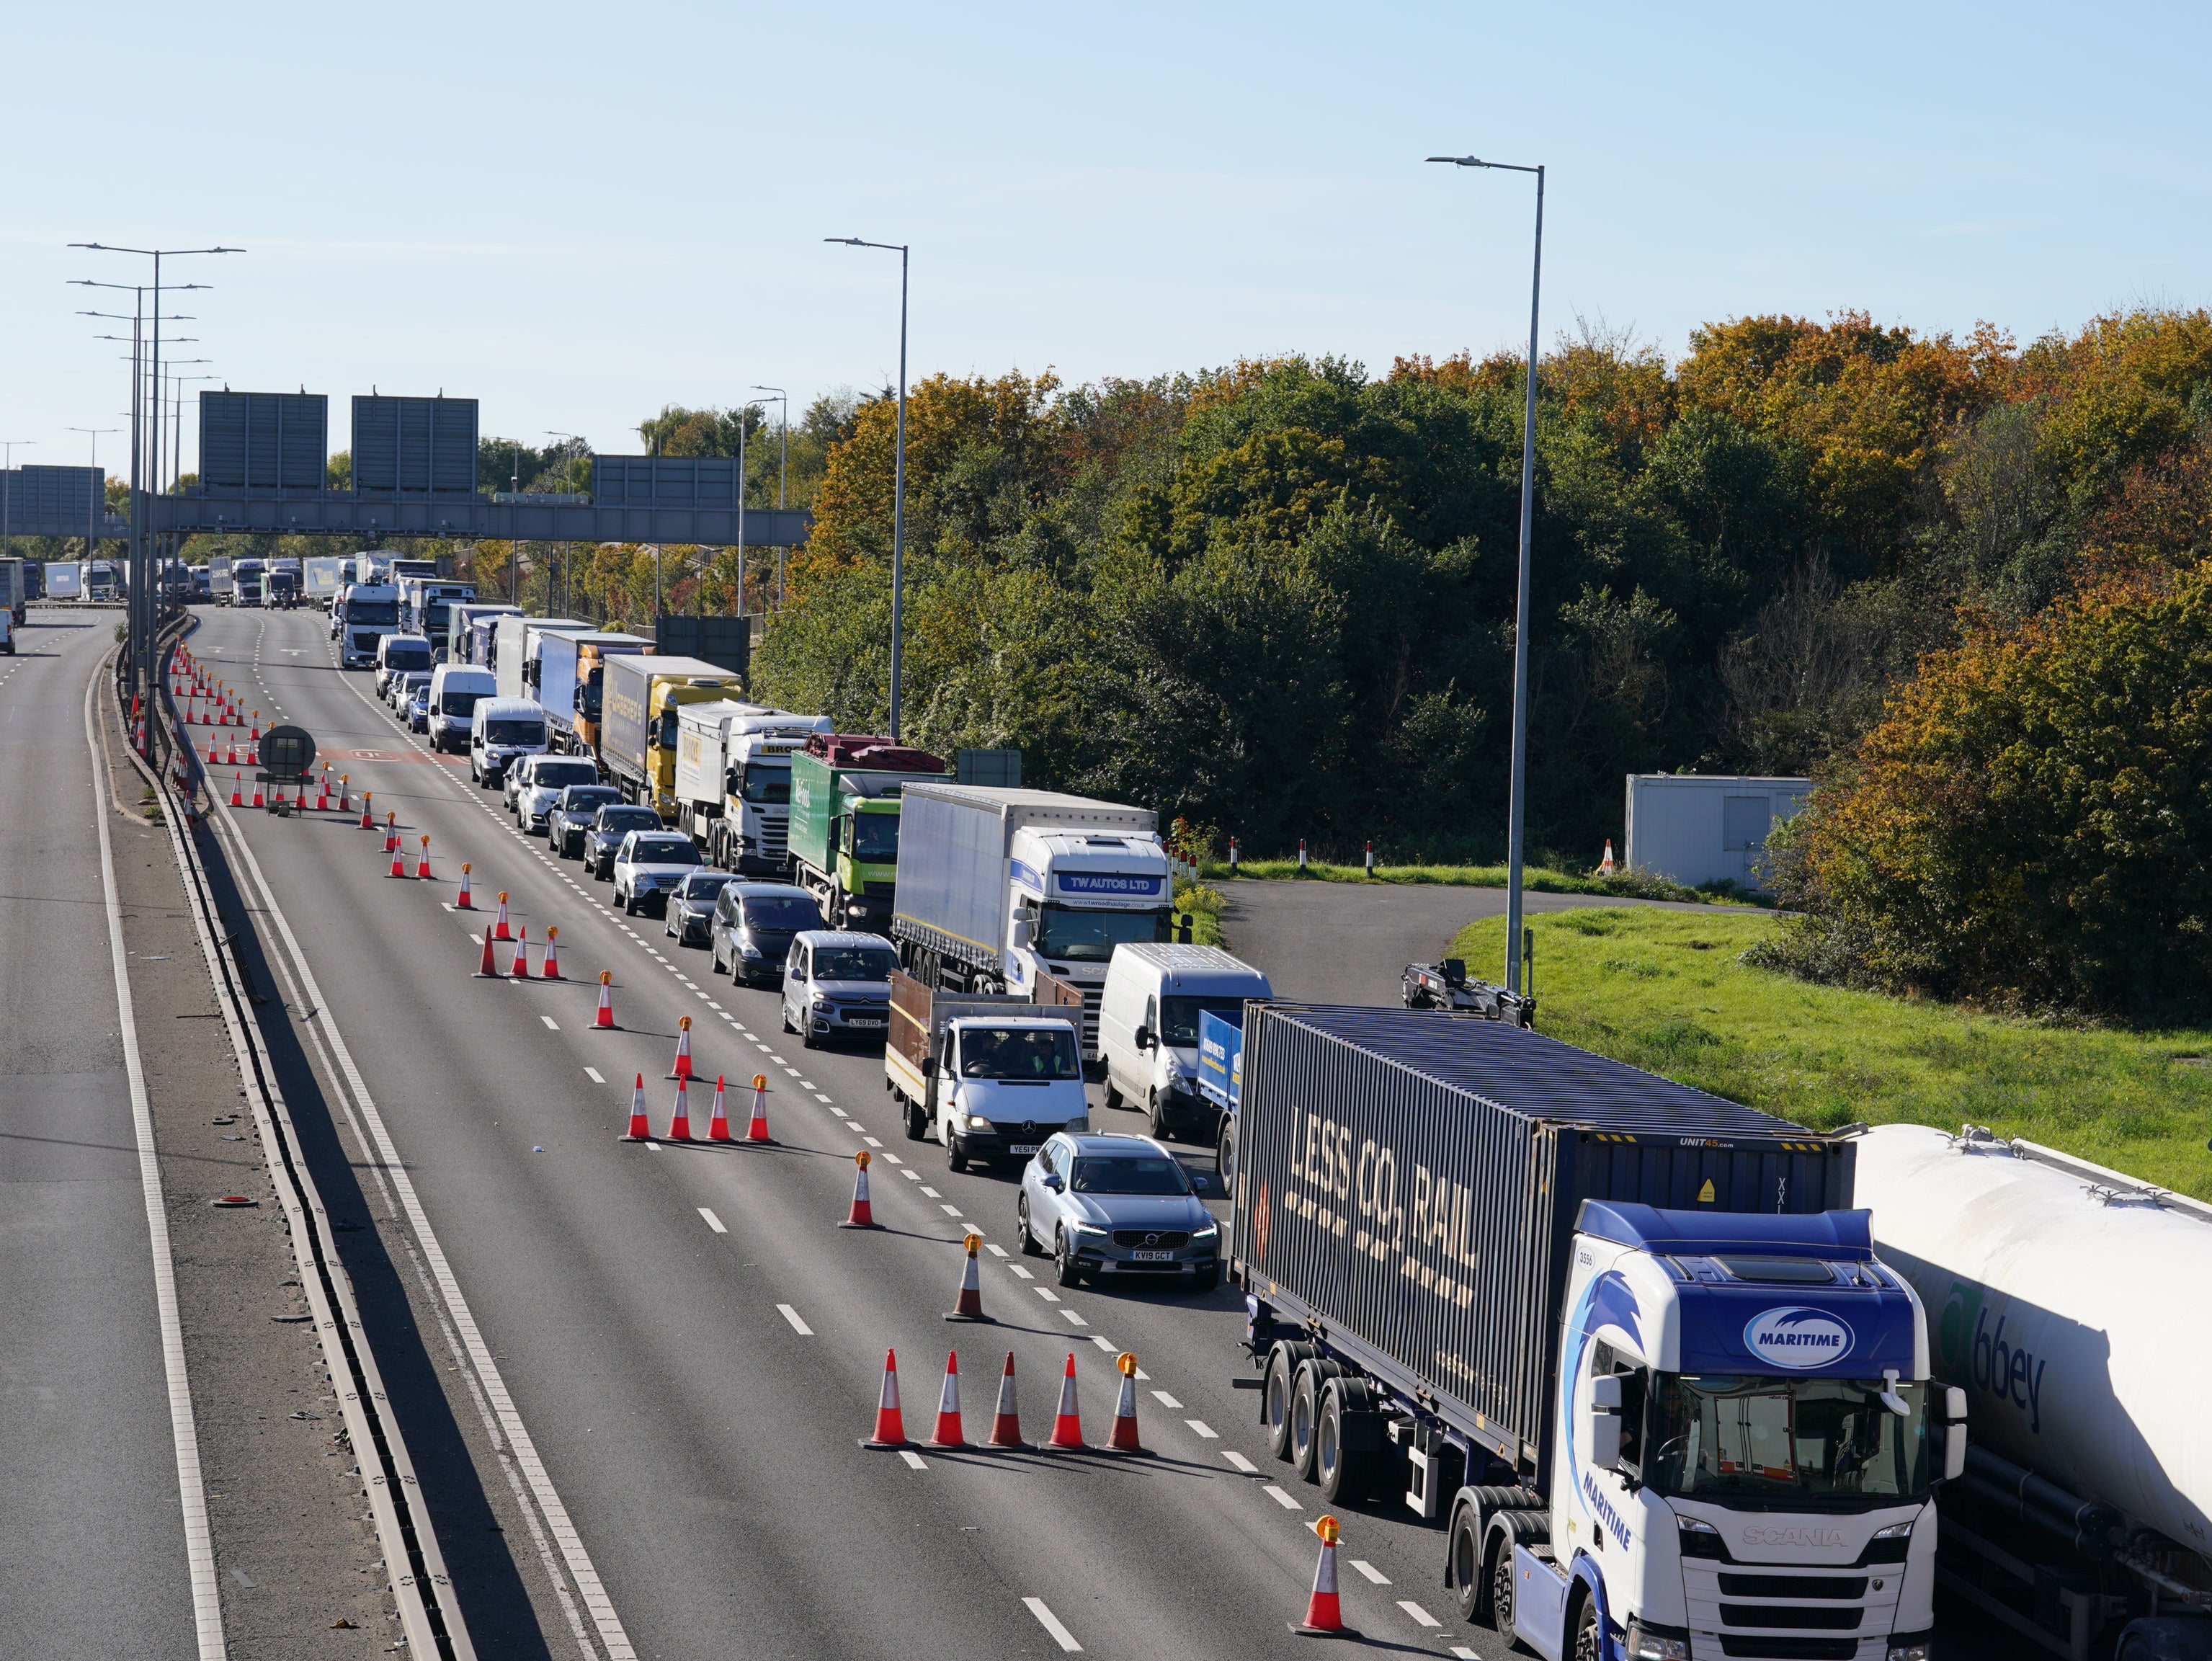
column 2030, row 824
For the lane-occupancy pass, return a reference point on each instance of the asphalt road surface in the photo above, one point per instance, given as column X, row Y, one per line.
column 89, row 1494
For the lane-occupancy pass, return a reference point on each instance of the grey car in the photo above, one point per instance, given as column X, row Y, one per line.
column 753, row 925
column 604, row 839
column 570, row 822
column 837, row 984
column 690, row 912
column 1116, row 1207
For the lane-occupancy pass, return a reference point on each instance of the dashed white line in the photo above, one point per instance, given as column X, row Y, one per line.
column 1420, row 1614
column 1238, row 1462
column 1166, row 1400
column 713, row 1222
column 1020, row 1270
column 1281, row 1497
column 552, row 1025
column 1375, row 1575
column 994, row 1249
column 1050, row 1623
column 913, row 1458
column 1073, row 1319
column 932, row 1192
column 1047, row 1293
column 874, row 1141
column 592, row 1074
column 911, row 1176
column 949, row 1211
column 1202, row 1428
column 798, row 1325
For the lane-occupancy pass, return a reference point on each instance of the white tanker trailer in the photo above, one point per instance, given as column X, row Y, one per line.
column 2068, row 1301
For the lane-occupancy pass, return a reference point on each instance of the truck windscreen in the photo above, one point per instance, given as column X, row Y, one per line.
column 1092, row 936
column 770, row 786
column 1716, row 1435
column 1179, row 1017
column 874, row 837
column 373, row 613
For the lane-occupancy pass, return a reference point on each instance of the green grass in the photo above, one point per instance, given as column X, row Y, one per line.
column 1542, row 879
column 1664, row 990
column 1203, row 903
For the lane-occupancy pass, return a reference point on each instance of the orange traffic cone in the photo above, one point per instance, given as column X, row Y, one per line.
column 1605, row 865
column 391, row 833
column 254, row 737
column 679, row 1120
column 639, row 1130
column 521, row 967
column 861, row 1215
column 551, row 969
column 399, row 861
column 230, row 755
column 367, row 823
column 323, row 789
column 969, row 1305
column 1067, row 1424
column 212, row 761
column 461, row 902
column 257, row 793
column 422, row 859
column 490, row 971
column 757, row 1130
column 1324, row 1613
column 604, row 1020
column 345, row 792
column 500, row 930
column 237, row 791
column 948, row 1433
column 890, row 1423
column 717, row 1125
column 1122, row 1438
column 1006, row 1423
column 681, row 1069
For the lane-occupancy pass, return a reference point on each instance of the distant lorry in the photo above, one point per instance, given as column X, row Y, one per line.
column 64, row 579
column 514, row 637
column 219, row 578
column 591, row 653
column 247, row 577
column 101, row 581
column 734, row 781
column 637, row 732
column 2087, row 1502
column 366, row 612
column 990, row 1077
column 997, row 887
column 846, row 791
column 15, row 591
column 1623, row 1338
column 548, row 676
column 426, row 604
column 461, row 634
column 283, row 590
column 321, row 577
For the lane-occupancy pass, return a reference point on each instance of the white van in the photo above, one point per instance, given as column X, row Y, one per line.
column 500, row 729
column 1148, row 1029
column 455, row 690
column 395, row 654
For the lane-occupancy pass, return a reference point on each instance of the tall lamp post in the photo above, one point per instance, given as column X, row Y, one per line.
column 92, row 513
column 783, row 471
column 1518, row 786
column 898, row 480
column 568, row 549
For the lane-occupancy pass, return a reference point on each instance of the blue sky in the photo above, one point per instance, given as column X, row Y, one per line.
column 577, row 214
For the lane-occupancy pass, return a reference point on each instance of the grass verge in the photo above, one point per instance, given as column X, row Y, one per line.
column 1542, row 879
column 1664, row 991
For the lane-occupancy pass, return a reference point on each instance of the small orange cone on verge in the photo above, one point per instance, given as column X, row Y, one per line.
column 1605, row 865
column 948, row 1433
column 1067, row 1423
column 890, row 1423
column 718, row 1126
column 639, row 1130
column 969, row 1306
column 861, row 1215
column 604, row 1020
column 1006, row 1423
column 757, row 1130
column 1324, row 1613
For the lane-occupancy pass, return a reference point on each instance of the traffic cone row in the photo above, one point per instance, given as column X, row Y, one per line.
column 949, row 1431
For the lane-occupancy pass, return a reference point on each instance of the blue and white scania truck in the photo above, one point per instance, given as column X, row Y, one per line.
column 1624, row 1340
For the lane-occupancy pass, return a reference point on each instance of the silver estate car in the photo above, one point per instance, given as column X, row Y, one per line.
column 1116, row 1207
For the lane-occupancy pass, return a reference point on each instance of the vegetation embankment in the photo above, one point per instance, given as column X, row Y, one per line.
column 1668, row 991
column 1537, row 878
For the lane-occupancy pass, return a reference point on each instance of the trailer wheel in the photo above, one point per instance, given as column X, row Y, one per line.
column 1346, row 1474
column 1283, row 1362
column 1305, row 1413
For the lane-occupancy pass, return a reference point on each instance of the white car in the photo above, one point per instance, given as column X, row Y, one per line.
column 538, row 786
column 651, row 864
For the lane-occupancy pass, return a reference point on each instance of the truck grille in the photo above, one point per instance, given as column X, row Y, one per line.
column 1791, row 1649
column 1808, row 1605
column 774, row 838
column 1801, row 1618
column 1144, row 1237
column 1792, row 1585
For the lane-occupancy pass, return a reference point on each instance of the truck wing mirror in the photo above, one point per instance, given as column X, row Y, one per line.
column 1954, row 1433
column 929, row 1067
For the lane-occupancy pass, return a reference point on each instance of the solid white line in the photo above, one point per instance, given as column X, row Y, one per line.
column 1050, row 1623
column 1418, row 1614
column 713, row 1222
column 1281, row 1497
column 592, row 1074
column 199, row 1545
column 393, row 1169
column 798, row 1325
column 1374, row 1574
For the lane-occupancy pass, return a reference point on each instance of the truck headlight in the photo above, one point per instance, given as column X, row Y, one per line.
column 1656, row 1644
column 1915, row 1648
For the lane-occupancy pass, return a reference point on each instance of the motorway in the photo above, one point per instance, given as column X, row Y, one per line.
column 669, row 1353
column 89, row 1477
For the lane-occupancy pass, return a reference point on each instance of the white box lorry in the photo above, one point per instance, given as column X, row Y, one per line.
column 734, row 781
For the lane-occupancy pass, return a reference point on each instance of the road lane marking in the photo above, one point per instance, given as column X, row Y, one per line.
column 592, row 1074
column 1418, row 1614
column 932, row 1192
column 1047, row 1293
column 949, row 1211
column 994, row 1249
column 552, row 1025
column 873, row 1141
column 1073, row 1319
column 1238, row 1462
column 713, row 1222
column 798, row 1325
column 1050, row 1623
column 1202, row 1428
column 911, row 1174
column 1281, row 1497
column 1020, row 1270
column 889, row 1159
column 1375, row 1575
column 1167, row 1401
column 913, row 1458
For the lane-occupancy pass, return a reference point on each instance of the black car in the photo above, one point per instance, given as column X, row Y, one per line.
column 690, row 910
column 609, row 826
column 753, row 925
column 570, row 821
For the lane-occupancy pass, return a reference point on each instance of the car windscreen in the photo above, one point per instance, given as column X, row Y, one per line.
column 559, row 775
column 664, row 850
column 407, row 657
column 852, row 963
column 1179, row 1017
column 515, row 732
column 1141, row 1173
column 705, row 885
column 584, row 798
column 781, row 912
column 1016, row 1052
column 627, row 818
column 452, row 702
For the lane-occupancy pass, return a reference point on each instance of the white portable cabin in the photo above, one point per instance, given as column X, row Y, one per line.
column 1695, row 828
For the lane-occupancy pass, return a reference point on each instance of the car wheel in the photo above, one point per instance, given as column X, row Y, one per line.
column 1029, row 1246
column 1206, row 1279
column 956, row 1153
column 629, row 906
column 917, row 1122
column 806, row 1038
column 786, row 1012
column 1063, row 1262
column 716, row 956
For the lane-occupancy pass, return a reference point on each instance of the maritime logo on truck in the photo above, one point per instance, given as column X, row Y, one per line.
column 1797, row 1337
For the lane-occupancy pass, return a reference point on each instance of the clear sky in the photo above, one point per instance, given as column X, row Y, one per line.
column 579, row 213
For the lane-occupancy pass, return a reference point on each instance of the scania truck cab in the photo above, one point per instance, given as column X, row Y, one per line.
column 366, row 613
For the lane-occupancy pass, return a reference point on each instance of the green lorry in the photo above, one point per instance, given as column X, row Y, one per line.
column 845, row 793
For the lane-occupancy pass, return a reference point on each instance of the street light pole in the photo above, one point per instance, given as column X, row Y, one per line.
column 744, row 421
column 1518, row 785
column 93, row 512
column 898, row 480
column 782, row 472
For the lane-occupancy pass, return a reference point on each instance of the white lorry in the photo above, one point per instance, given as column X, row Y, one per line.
column 997, row 887
column 365, row 613
column 990, row 1077
column 515, row 646
column 734, row 781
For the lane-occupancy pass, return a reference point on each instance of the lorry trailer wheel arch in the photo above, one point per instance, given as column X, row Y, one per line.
column 1283, row 1363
